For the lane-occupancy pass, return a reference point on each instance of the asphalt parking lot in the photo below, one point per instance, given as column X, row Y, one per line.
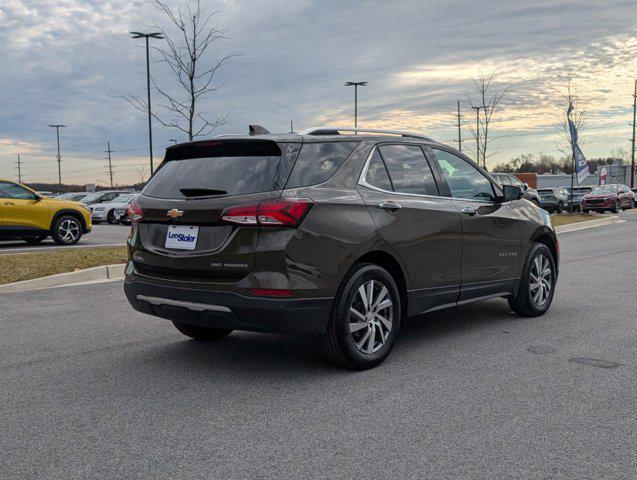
column 100, row 236
column 92, row 389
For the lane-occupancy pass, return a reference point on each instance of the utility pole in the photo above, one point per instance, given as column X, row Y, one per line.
column 291, row 126
column 632, row 158
column 110, row 164
column 355, row 85
column 59, row 157
column 459, row 132
column 477, row 109
column 159, row 36
column 19, row 169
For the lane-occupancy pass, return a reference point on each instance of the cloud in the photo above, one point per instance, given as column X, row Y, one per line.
column 67, row 60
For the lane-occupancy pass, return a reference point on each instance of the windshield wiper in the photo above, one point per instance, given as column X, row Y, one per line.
column 201, row 192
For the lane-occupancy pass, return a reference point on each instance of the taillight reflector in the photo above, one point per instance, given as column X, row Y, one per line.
column 271, row 292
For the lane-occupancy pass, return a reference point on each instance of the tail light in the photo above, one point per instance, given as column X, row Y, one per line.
column 280, row 212
column 135, row 213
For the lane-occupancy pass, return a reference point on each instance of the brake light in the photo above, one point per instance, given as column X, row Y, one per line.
column 135, row 213
column 280, row 212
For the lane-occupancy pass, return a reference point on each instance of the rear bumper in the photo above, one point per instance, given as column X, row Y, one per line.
column 189, row 304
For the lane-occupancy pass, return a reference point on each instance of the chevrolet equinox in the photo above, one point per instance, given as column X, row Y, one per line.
column 332, row 232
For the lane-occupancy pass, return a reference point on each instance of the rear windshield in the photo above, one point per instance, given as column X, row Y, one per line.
column 223, row 168
column 227, row 167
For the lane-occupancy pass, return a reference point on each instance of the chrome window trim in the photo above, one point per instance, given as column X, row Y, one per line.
column 362, row 182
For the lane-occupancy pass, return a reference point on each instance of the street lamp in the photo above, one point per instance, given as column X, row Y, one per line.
column 355, row 85
column 173, row 140
column 159, row 36
column 57, row 131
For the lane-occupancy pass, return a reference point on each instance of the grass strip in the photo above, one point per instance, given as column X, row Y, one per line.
column 26, row 266
column 558, row 219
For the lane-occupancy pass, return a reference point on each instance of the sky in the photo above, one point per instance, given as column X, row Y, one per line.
column 71, row 61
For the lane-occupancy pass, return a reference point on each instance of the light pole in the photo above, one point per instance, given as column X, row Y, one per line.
column 173, row 140
column 57, row 131
column 146, row 36
column 355, row 85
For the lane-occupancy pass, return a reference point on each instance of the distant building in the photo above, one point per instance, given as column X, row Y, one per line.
column 617, row 173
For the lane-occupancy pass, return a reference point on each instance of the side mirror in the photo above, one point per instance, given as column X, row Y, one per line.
column 511, row 192
column 526, row 186
column 37, row 197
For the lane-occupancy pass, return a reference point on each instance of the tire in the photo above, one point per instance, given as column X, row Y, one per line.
column 586, row 210
column 95, row 222
column 528, row 302
column 616, row 208
column 67, row 230
column 373, row 338
column 559, row 208
column 110, row 218
column 34, row 240
column 206, row 334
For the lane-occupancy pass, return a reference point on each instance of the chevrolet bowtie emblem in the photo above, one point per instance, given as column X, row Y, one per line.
column 174, row 213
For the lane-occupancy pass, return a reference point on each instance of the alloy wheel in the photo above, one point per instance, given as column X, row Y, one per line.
column 371, row 317
column 541, row 280
column 69, row 230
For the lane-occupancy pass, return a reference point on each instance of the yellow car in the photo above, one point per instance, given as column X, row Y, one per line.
column 27, row 215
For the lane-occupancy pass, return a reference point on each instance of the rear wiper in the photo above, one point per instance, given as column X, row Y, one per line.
column 200, row 192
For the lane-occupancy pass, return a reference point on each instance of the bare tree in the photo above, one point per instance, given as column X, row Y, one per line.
column 189, row 39
column 485, row 99
column 578, row 115
column 142, row 173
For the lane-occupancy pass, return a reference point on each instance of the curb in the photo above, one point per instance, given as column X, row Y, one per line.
column 103, row 273
column 588, row 224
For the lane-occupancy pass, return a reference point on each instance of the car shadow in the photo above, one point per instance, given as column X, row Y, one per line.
column 261, row 354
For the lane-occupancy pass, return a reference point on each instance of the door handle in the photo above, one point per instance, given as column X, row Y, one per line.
column 9, row 203
column 468, row 211
column 391, row 206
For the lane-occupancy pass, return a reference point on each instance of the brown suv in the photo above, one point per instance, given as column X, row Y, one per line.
column 331, row 234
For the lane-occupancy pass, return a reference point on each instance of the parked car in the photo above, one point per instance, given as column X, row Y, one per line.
column 333, row 234
column 73, row 196
column 509, row 179
column 578, row 193
column 103, row 196
column 553, row 199
column 612, row 197
column 106, row 212
column 634, row 190
column 27, row 215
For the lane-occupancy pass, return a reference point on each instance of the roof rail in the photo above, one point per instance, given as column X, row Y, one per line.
column 329, row 130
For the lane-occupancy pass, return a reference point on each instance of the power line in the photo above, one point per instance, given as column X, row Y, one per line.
column 459, row 130
column 110, row 163
column 19, row 169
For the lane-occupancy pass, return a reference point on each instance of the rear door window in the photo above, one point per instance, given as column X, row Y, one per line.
column 223, row 168
column 317, row 162
column 408, row 169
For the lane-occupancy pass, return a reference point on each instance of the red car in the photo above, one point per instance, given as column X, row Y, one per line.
column 613, row 197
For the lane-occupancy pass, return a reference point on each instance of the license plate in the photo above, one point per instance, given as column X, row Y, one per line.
column 182, row 237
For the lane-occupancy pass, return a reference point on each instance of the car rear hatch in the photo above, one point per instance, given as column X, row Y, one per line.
column 181, row 233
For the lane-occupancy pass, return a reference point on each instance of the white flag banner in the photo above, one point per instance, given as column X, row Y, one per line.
column 581, row 165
